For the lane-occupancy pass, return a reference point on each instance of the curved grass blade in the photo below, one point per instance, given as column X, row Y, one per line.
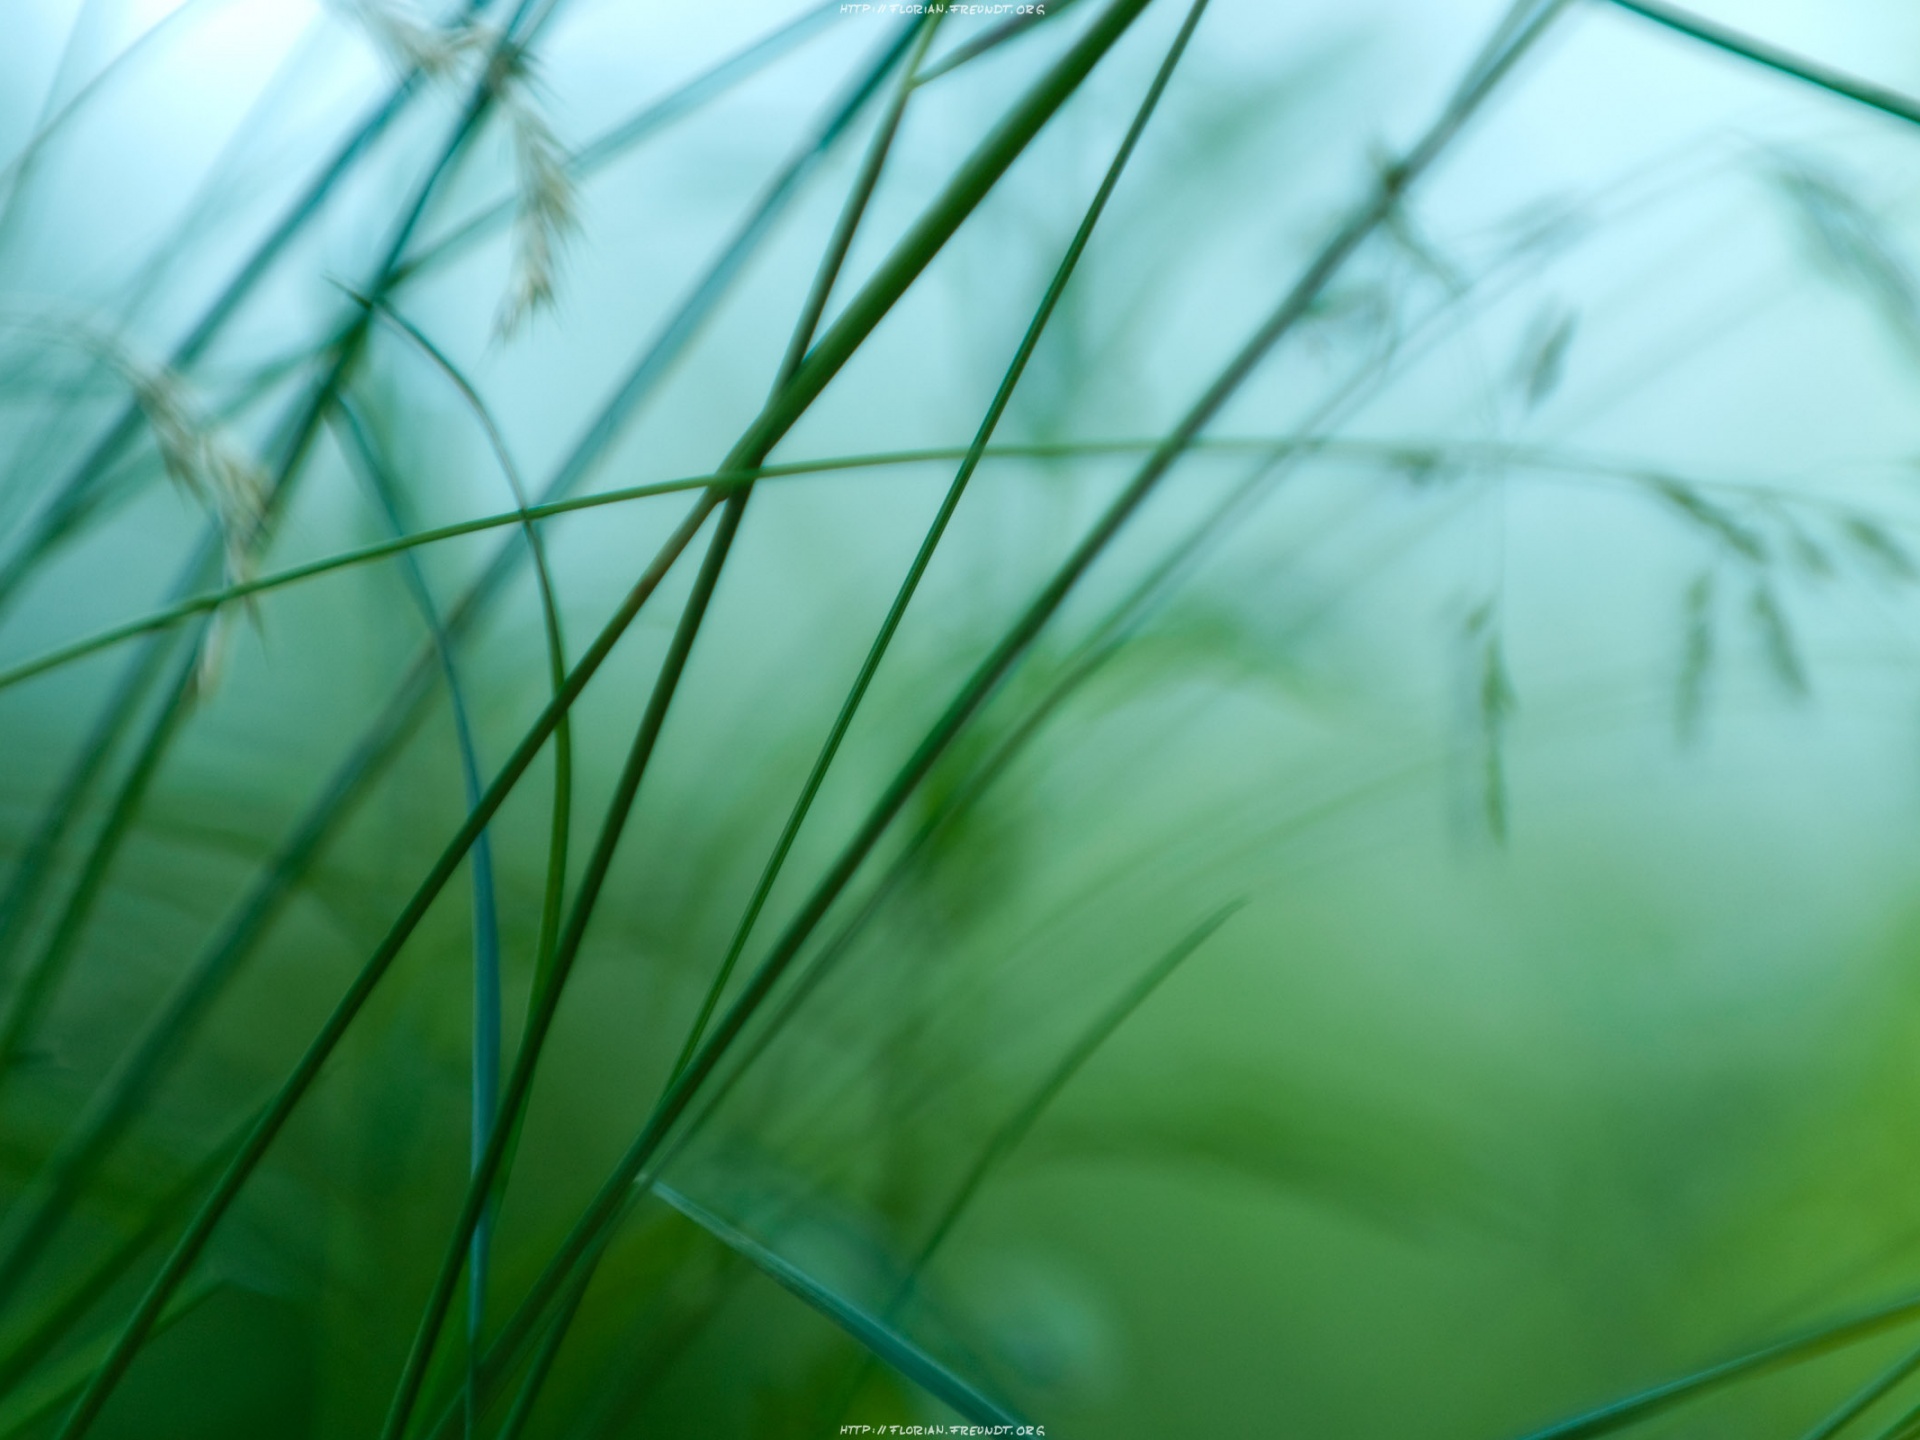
column 560, row 825
column 875, row 1334
column 1805, row 1346
column 1745, row 47
column 1865, row 1398
column 485, row 1084
column 486, row 1008
column 1388, row 451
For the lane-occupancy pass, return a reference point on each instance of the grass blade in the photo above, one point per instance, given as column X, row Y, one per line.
column 876, row 1335
column 1771, row 57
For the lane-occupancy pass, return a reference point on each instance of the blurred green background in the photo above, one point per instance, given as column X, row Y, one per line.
column 1534, row 693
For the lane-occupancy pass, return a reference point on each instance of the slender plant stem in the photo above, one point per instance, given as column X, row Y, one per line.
column 1771, row 57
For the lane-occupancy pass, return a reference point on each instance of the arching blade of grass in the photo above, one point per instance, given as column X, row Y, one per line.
column 996, row 408
column 1865, row 1398
column 1014, row 1129
column 1384, row 451
column 39, row 1211
column 1810, row 1344
column 486, row 1012
column 561, row 822
column 875, row 1334
column 1393, row 183
column 1007, row 1136
column 486, row 1019
column 1837, row 82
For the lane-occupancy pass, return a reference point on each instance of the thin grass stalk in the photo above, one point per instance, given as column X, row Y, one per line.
column 1391, row 186
column 486, row 1004
column 969, row 462
column 1007, row 1136
column 486, row 1020
column 1772, row 57
column 1865, row 1398
column 560, row 824
column 1386, row 451
column 1807, row 1345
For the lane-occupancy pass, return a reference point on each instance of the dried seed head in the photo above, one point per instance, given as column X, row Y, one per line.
column 411, row 44
column 547, row 214
column 200, row 457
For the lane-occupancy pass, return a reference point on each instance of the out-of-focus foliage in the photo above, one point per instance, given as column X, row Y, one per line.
column 1409, row 931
